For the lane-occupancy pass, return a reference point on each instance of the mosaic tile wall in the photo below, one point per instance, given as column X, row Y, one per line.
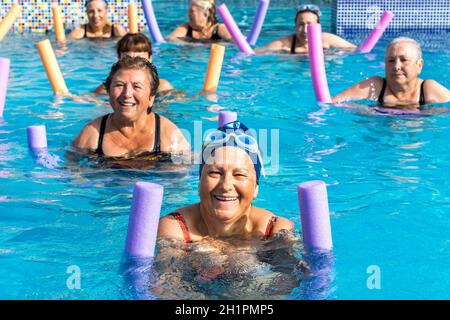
column 36, row 15
column 351, row 16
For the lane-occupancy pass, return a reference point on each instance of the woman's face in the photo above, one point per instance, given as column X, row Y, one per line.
column 228, row 185
column 301, row 24
column 198, row 18
column 97, row 13
column 402, row 63
column 129, row 93
column 133, row 54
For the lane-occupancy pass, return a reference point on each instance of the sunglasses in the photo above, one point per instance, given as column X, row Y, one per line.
column 309, row 7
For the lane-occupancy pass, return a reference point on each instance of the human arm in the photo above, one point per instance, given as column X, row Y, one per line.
column 172, row 139
column 88, row 137
column 100, row 89
column 281, row 44
column 435, row 92
column 179, row 32
column 119, row 30
column 164, row 85
column 77, row 34
column 223, row 32
column 335, row 41
column 366, row 89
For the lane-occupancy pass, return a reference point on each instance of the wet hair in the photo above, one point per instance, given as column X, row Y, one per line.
column 306, row 10
column 134, row 42
column 138, row 63
column 89, row 1
column 408, row 40
column 209, row 7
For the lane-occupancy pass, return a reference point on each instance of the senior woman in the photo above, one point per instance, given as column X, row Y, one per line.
column 203, row 25
column 98, row 26
column 401, row 86
column 132, row 129
column 298, row 42
column 136, row 45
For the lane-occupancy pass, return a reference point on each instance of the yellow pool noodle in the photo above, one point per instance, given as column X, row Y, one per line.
column 214, row 68
column 58, row 23
column 9, row 19
column 133, row 17
column 51, row 67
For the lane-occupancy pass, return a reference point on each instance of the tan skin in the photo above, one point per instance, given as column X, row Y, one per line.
column 227, row 188
column 98, row 25
column 130, row 130
column 164, row 85
column 402, row 70
column 303, row 20
column 202, row 29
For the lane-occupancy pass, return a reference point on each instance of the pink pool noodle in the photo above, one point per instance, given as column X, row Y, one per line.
column 226, row 117
column 317, row 64
column 37, row 137
column 233, row 29
column 144, row 219
column 4, row 73
column 315, row 215
column 376, row 32
column 151, row 21
column 258, row 21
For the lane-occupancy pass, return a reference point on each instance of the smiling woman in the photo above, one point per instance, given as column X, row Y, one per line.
column 98, row 25
column 132, row 129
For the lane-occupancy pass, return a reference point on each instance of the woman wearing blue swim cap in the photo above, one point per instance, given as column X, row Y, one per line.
column 98, row 26
column 229, row 179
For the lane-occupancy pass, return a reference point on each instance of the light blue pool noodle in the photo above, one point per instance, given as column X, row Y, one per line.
column 4, row 74
column 258, row 21
column 226, row 117
column 233, row 29
column 144, row 219
column 37, row 139
column 315, row 215
column 151, row 21
column 376, row 32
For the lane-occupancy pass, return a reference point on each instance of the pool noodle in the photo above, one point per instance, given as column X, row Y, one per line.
column 376, row 32
column 214, row 68
column 4, row 74
column 233, row 29
column 144, row 219
column 151, row 21
column 58, row 23
column 51, row 67
column 315, row 215
column 9, row 19
column 258, row 21
column 37, row 137
column 316, row 62
column 226, row 117
column 133, row 17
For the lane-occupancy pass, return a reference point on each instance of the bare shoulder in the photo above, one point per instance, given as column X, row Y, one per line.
column 172, row 139
column 435, row 92
column 282, row 43
column 169, row 227
column 335, row 41
column 264, row 216
column 119, row 30
column 89, row 135
column 223, row 32
column 179, row 31
column 77, row 33
column 164, row 85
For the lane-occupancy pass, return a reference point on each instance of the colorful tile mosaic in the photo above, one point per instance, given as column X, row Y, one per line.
column 36, row 15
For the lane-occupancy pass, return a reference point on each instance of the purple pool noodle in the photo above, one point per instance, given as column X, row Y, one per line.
column 258, row 21
column 317, row 64
column 4, row 73
column 37, row 137
column 151, row 21
column 315, row 216
column 226, row 117
column 376, row 32
column 144, row 219
column 233, row 29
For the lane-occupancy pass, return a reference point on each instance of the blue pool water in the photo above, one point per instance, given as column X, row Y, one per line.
column 388, row 177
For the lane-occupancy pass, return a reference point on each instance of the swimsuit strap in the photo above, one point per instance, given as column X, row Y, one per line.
column 294, row 43
column 269, row 228
column 189, row 32
column 422, row 94
column 112, row 31
column 383, row 89
column 182, row 223
column 101, row 135
column 157, row 142
column 85, row 31
column 215, row 34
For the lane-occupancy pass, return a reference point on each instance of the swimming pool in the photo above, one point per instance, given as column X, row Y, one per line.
column 387, row 177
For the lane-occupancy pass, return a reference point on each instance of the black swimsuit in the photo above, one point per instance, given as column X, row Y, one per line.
column 156, row 144
column 111, row 36
column 214, row 36
column 294, row 43
column 383, row 89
